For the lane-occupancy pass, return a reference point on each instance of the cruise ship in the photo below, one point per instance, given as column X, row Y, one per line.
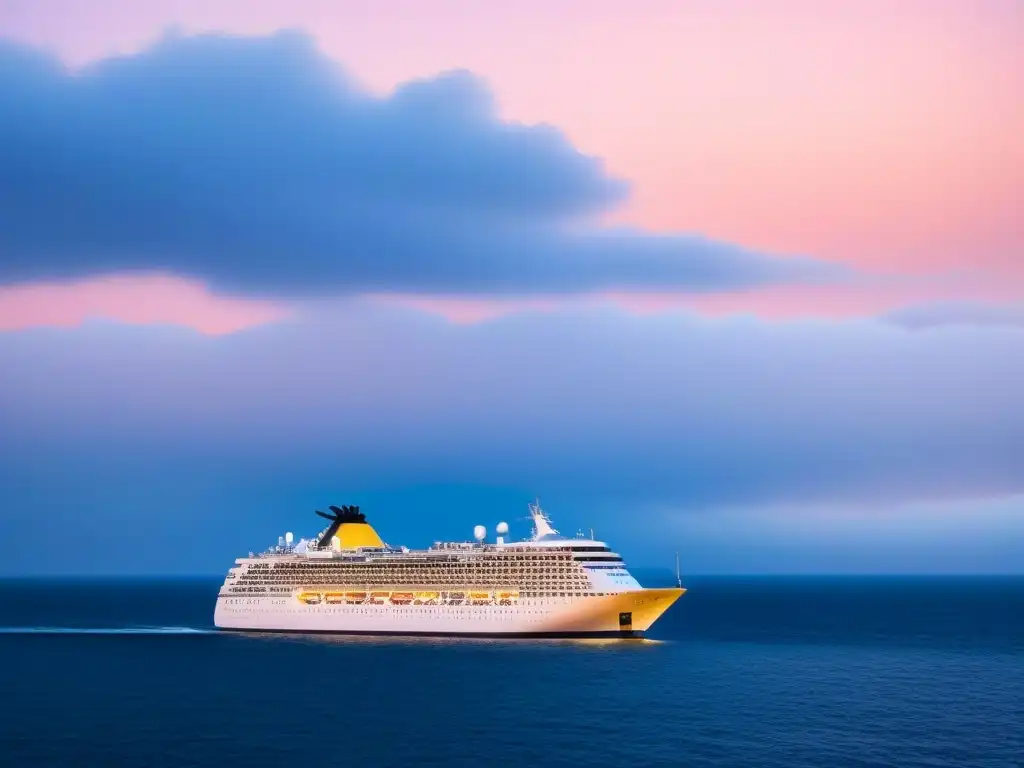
column 347, row 580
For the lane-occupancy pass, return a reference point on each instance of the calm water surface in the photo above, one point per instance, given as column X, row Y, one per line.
column 741, row 672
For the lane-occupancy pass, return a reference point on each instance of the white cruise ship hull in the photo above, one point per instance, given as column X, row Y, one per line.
column 625, row 614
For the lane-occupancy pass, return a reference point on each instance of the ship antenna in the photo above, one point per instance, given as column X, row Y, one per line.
column 679, row 580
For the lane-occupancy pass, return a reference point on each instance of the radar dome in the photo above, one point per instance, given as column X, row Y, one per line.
column 479, row 533
column 502, row 529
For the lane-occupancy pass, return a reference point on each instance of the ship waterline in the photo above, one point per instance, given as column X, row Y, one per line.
column 347, row 580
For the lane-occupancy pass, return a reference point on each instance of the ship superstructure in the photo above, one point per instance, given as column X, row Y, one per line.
column 347, row 580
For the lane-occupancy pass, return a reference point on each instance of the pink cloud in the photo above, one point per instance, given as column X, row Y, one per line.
column 162, row 299
column 135, row 299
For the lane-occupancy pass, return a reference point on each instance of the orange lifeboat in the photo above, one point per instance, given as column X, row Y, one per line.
column 334, row 598
column 355, row 597
column 401, row 598
column 379, row 598
column 310, row 598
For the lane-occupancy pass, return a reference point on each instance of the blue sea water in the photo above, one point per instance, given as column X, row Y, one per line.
column 786, row 672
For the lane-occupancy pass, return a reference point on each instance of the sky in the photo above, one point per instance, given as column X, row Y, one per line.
column 739, row 279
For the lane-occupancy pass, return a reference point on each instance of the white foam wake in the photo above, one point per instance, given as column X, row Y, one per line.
column 104, row 631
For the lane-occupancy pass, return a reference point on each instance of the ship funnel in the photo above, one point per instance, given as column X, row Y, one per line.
column 348, row 516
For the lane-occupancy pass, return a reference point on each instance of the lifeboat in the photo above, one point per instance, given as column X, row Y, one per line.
column 334, row 598
column 310, row 598
column 401, row 598
column 507, row 598
column 479, row 598
column 379, row 598
column 427, row 598
column 456, row 598
column 355, row 597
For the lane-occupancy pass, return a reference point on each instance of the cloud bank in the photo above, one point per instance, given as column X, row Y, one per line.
column 669, row 407
column 111, row 433
column 256, row 165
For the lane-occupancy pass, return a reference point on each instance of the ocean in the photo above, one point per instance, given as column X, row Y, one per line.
column 780, row 672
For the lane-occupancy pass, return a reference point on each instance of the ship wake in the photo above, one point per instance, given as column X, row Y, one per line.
column 104, row 631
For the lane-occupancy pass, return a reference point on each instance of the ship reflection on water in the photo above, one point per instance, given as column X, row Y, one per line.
column 451, row 641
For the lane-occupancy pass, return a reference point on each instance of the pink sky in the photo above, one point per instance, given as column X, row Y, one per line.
column 135, row 299
column 886, row 135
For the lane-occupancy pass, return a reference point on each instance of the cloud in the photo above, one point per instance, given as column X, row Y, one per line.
column 969, row 313
column 257, row 166
column 215, row 443
column 598, row 402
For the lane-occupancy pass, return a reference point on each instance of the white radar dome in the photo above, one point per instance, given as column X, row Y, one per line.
column 288, row 538
column 502, row 529
column 479, row 533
